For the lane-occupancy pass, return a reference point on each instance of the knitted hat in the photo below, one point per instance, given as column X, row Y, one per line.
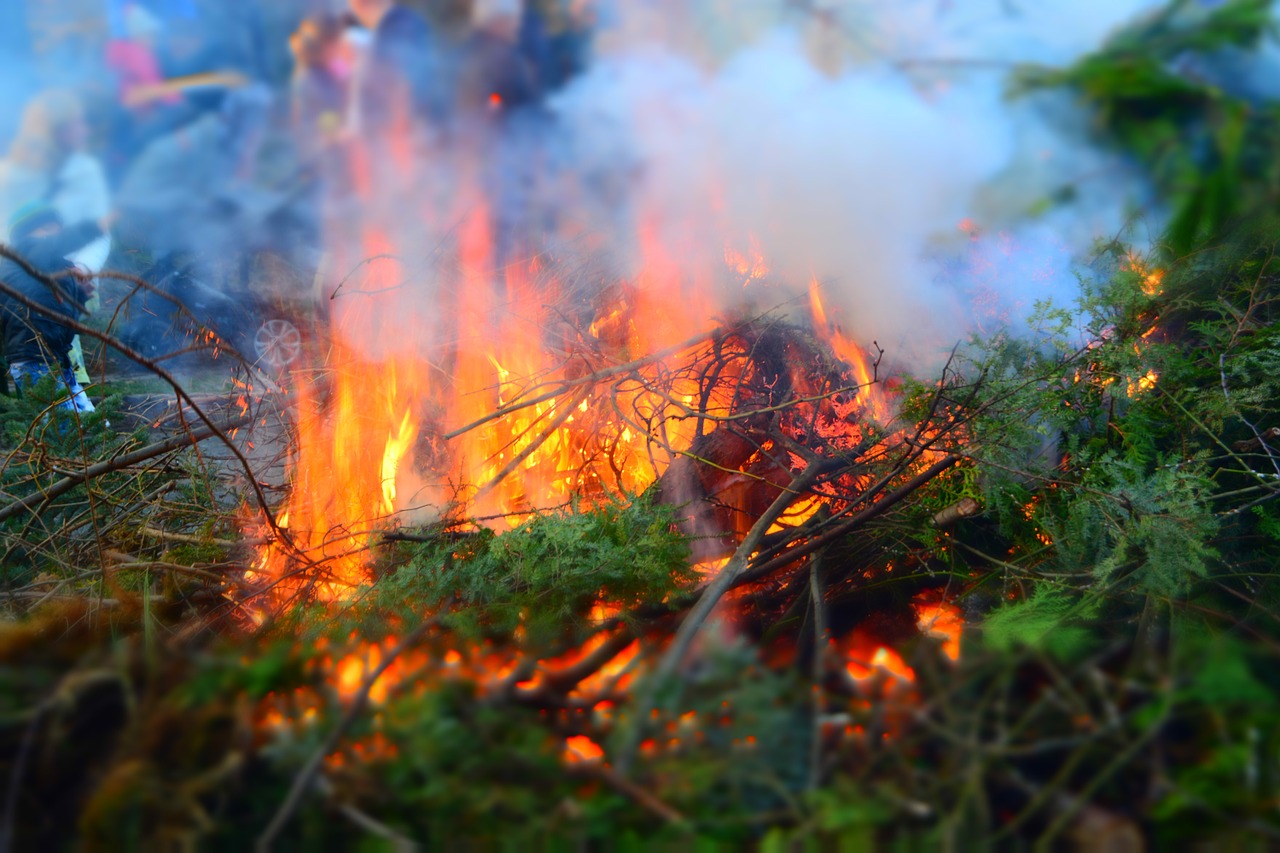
column 30, row 217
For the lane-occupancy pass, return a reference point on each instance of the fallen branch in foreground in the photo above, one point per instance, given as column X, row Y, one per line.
column 118, row 463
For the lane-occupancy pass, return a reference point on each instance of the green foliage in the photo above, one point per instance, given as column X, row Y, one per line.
column 543, row 578
column 464, row 768
column 1211, row 154
column 40, row 442
column 1051, row 620
column 736, row 745
column 1151, row 527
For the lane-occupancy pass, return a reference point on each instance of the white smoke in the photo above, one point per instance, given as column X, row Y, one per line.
column 851, row 140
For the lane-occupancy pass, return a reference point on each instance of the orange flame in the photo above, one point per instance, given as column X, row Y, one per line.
column 1152, row 277
column 870, row 390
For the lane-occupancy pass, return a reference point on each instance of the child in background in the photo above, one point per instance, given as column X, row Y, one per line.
column 319, row 90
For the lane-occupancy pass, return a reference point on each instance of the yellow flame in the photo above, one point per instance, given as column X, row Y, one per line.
column 398, row 444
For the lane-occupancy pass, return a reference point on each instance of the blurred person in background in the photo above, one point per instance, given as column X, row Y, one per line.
column 132, row 56
column 320, row 109
column 145, row 106
column 403, row 80
column 319, row 89
column 495, row 79
column 555, row 36
column 35, row 344
column 49, row 161
column 164, row 10
column 500, row 121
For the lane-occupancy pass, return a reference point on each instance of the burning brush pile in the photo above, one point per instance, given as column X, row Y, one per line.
column 589, row 572
column 589, row 537
column 565, row 555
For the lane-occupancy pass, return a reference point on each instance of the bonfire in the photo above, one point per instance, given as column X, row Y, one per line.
column 771, row 438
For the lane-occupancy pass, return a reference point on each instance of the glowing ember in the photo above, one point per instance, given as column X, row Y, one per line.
column 1143, row 384
column 580, row 749
column 863, row 663
column 797, row 514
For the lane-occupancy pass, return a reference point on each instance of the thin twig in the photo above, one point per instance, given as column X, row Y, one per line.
column 138, row 358
column 844, row 529
column 817, row 600
column 516, row 461
column 629, row 789
column 367, row 822
column 188, row 539
column 566, row 385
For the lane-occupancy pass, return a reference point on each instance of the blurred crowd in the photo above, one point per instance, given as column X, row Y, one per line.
column 174, row 139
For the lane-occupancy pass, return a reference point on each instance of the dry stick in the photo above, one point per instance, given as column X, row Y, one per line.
column 187, row 539
column 309, row 770
column 710, row 597
column 957, row 512
column 376, row 827
column 41, row 597
column 630, row 789
column 130, row 510
column 119, row 462
column 366, row 822
column 567, row 384
column 817, row 597
column 538, row 440
column 176, row 568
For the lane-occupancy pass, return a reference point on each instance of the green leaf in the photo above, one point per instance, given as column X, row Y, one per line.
column 1051, row 621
